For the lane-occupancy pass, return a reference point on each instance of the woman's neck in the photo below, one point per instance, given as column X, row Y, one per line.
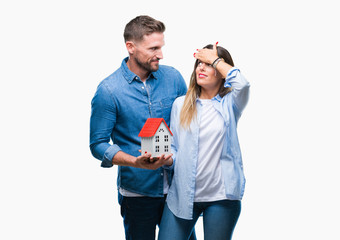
column 208, row 94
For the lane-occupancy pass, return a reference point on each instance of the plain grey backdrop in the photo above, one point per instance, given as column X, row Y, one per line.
column 54, row 54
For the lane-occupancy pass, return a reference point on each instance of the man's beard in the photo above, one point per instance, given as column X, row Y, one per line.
column 147, row 65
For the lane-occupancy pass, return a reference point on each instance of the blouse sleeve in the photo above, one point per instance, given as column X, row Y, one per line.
column 240, row 88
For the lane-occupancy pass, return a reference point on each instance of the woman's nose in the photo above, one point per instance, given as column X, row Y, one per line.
column 202, row 66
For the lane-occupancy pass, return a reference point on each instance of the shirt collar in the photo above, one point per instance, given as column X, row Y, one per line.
column 216, row 98
column 130, row 76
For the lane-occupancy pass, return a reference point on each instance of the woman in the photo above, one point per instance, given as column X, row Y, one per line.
column 208, row 172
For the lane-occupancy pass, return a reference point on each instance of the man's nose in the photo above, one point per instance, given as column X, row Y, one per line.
column 159, row 54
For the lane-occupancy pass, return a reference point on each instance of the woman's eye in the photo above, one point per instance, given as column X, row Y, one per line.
column 206, row 64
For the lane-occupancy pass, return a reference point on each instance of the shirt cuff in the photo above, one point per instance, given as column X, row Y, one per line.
column 231, row 74
column 108, row 156
column 169, row 167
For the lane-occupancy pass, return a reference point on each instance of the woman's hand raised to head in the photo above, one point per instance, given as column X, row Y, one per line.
column 207, row 55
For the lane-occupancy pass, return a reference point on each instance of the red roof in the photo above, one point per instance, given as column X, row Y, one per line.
column 150, row 127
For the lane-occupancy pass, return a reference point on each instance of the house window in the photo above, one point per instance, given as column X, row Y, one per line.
column 157, row 139
column 161, row 130
column 166, row 148
column 157, row 149
column 166, row 138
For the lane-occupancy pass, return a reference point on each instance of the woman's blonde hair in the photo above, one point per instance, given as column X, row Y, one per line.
column 189, row 110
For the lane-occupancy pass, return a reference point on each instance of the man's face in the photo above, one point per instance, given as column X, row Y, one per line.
column 148, row 52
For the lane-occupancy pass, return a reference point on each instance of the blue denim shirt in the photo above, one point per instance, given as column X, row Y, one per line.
column 181, row 194
column 120, row 107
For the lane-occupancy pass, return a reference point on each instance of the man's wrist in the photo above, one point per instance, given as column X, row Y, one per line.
column 123, row 159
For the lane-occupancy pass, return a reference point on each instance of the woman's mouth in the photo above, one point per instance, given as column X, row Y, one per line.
column 201, row 75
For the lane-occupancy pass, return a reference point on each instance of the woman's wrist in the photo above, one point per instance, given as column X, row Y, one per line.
column 217, row 60
column 169, row 162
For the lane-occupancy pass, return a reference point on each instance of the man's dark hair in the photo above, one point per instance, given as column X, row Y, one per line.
column 140, row 26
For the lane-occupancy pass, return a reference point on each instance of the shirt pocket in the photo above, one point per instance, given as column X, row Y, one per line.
column 166, row 104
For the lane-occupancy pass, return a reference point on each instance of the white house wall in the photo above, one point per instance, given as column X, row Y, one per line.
column 147, row 145
column 161, row 142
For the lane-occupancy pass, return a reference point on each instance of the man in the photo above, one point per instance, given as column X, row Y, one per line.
column 138, row 90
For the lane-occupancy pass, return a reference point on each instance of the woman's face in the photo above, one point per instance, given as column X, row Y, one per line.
column 207, row 77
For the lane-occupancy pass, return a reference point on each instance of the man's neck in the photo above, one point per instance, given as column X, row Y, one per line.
column 141, row 73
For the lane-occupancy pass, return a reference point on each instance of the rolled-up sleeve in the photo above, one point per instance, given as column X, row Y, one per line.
column 240, row 88
column 102, row 123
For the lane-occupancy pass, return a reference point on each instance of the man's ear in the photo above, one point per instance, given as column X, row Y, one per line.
column 130, row 46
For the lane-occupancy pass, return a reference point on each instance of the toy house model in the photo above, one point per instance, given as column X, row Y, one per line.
column 156, row 137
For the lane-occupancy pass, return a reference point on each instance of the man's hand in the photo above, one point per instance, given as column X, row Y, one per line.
column 142, row 160
column 145, row 161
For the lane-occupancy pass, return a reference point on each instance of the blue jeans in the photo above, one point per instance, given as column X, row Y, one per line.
column 141, row 216
column 219, row 220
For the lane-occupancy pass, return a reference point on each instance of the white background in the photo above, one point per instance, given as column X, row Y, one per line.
column 54, row 54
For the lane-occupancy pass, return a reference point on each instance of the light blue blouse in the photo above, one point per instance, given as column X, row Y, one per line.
column 181, row 194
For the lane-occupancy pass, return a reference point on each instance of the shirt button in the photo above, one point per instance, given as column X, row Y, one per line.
column 150, row 103
column 142, row 87
column 161, row 174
